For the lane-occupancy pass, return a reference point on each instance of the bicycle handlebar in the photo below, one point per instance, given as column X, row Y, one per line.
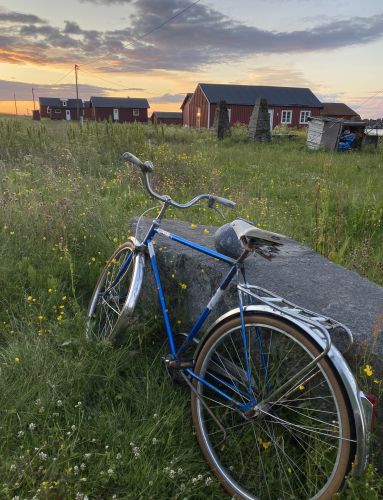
column 148, row 166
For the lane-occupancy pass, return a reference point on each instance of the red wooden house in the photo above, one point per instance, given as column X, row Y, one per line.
column 46, row 103
column 288, row 106
column 185, row 110
column 119, row 109
column 63, row 109
column 339, row 110
column 167, row 117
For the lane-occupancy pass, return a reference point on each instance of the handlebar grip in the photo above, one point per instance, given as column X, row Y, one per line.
column 145, row 167
column 133, row 159
column 225, row 201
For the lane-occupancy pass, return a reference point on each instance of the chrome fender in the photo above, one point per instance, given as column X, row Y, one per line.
column 136, row 284
column 360, row 405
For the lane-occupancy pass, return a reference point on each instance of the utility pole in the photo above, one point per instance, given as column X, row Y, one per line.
column 76, row 68
column 14, row 96
column 33, row 96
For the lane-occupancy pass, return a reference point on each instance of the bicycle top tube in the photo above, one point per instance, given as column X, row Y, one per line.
column 147, row 167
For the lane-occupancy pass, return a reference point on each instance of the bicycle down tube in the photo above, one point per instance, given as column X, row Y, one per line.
column 154, row 229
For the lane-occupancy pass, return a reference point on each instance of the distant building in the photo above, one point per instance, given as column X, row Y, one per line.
column 46, row 103
column 63, row 109
column 167, row 117
column 288, row 106
column 185, row 110
column 339, row 110
column 119, row 109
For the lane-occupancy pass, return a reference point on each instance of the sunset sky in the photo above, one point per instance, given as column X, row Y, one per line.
column 127, row 48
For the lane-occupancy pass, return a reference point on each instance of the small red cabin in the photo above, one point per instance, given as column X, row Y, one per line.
column 339, row 110
column 288, row 106
column 167, row 117
column 119, row 109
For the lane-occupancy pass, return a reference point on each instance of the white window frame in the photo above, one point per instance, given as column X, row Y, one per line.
column 305, row 114
column 286, row 122
column 136, row 112
column 48, row 110
column 65, row 103
column 57, row 111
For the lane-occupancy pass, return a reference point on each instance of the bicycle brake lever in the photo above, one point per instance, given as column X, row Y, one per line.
column 218, row 211
column 211, row 204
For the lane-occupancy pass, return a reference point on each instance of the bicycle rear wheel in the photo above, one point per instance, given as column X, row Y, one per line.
column 297, row 445
column 116, row 293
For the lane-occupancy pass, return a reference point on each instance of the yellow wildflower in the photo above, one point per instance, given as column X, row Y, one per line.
column 63, row 298
column 59, row 317
column 49, row 290
column 17, row 360
column 265, row 444
column 29, row 298
column 193, row 226
column 183, row 286
column 301, row 387
column 93, row 259
column 368, row 370
column 206, row 231
column 115, row 240
column 40, row 318
column 290, row 470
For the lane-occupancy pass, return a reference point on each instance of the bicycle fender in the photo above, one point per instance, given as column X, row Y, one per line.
column 361, row 407
column 135, row 287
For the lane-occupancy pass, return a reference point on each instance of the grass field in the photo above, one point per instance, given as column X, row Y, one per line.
column 78, row 419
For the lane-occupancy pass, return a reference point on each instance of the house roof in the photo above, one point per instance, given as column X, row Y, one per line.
column 338, row 108
column 187, row 97
column 50, row 101
column 119, row 102
column 167, row 114
column 72, row 103
column 247, row 95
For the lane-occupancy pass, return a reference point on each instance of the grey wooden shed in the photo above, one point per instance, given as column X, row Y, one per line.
column 325, row 132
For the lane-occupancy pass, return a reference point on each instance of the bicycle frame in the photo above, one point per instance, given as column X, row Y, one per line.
column 147, row 243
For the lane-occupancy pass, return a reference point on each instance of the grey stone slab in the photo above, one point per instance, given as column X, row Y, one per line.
column 297, row 273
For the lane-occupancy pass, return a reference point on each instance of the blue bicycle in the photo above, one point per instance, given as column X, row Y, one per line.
column 276, row 409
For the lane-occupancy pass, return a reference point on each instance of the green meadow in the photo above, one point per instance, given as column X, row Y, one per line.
column 85, row 420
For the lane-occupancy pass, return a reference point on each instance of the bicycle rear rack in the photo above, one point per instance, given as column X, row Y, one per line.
column 328, row 326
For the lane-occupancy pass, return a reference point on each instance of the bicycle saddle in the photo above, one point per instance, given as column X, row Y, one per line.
column 232, row 237
column 251, row 233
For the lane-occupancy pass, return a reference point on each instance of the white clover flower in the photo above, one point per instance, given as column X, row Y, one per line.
column 59, row 402
column 38, row 402
column 180, row 470
column 75, row 470
column 82, row 466
column 13, row 468
column 155, row 440
column 79, row 403
column 73, row 427
column 32, row 426
column 208, row 481
column 43, row 456
column 200, row 477
column 119, row 456
column 87, row 456
column 110, row 472
column 20, row 434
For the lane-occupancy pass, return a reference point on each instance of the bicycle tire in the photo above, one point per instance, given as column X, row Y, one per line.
column 299, row 446
column 108, row 316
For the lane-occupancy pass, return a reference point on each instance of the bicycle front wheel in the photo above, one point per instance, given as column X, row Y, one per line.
column 297, row 444
column 116, row 293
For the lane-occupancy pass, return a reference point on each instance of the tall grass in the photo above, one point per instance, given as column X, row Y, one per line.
column 66, row 200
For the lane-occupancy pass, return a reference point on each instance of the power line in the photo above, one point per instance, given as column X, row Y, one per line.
column 159, row 26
